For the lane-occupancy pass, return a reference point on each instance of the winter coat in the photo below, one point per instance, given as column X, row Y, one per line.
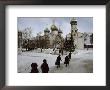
column 44, row 68
column 34, row 68
column 59, row 51
column 66, row 60
column 58, row 60
column 69, row 55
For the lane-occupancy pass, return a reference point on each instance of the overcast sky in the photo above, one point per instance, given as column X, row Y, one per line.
column 84, row 24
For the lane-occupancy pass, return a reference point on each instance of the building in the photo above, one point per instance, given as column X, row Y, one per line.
column 19, row 39
column 88, row 40
column 77, row 36
column 53, row 37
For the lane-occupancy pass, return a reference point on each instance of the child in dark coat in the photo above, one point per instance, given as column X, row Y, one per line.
column 58, row 61
column 34, row 68
column 69, row 55
column 44, row 67
column 66, row 61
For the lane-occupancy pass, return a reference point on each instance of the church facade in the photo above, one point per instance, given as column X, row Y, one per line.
column 55, row 39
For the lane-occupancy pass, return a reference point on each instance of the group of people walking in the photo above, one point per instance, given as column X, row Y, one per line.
column 44, row 66
column 66, row 62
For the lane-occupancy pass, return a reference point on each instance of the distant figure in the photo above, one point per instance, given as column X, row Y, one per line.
column 44, row 67
column 69, row 55
column 34, row 68
column 66, row 61
column 58, row 61
column 62, row 52
column 59, row 51
column 87, row 47
column 53, row 49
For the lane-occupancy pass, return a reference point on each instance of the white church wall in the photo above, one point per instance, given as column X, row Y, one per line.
column 55, row 32
column 81, row 43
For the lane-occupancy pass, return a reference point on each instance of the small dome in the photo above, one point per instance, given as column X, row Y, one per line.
column 53, row 27
column 46, row 30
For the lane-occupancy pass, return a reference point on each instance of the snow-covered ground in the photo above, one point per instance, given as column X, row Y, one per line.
column 81, row 61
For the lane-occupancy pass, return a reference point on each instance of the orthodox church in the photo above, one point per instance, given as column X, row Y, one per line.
column 54, row 37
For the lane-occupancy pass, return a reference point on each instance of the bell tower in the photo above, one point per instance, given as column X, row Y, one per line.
column 74, row 29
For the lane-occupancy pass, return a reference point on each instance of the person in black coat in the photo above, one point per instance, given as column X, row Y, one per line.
column 44, row 66
column 58, row 61
column 62, row 52
column 66, row 61
column 34, row 68
column 59, row 51
column 69, row 55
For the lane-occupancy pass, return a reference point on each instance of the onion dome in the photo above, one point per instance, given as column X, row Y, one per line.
column 54, row 28
column 46, row 30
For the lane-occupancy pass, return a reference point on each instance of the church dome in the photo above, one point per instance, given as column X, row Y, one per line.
column 46, row 30
column 53, row 27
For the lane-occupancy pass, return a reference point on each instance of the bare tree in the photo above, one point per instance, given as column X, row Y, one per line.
column 40, row 41
column 26, row 35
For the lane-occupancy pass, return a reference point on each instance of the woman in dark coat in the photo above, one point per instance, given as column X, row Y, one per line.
column 44, row 67
column 58, row 61
column 34, row 68
column 66, row 61
column 59, row 51
column 69, row 55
